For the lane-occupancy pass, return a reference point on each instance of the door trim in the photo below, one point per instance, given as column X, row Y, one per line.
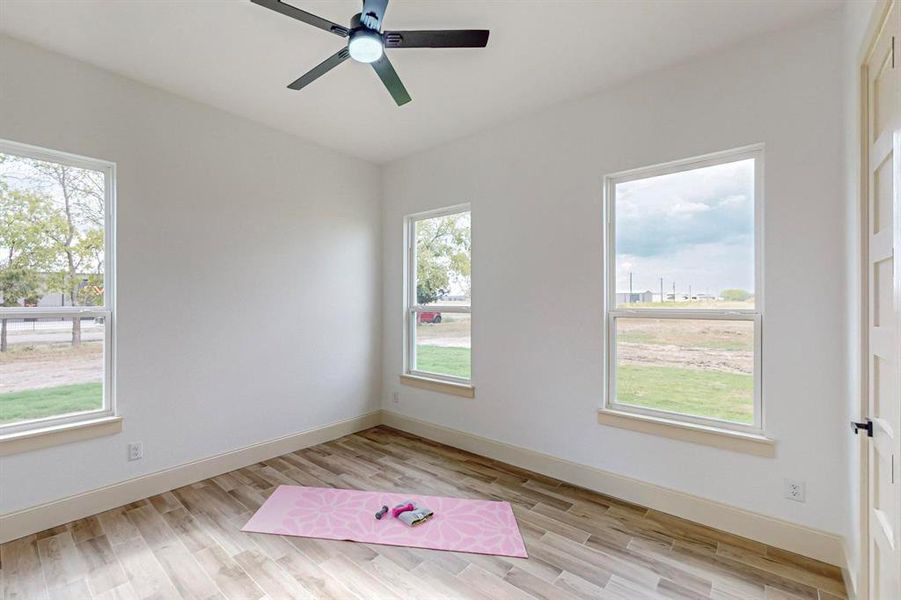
column 858, row 584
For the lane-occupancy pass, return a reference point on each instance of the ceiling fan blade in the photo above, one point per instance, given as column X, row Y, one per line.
column 302, row 15
column 373, row 13
column 453, row 38
column 389, row 77
column 321, row 69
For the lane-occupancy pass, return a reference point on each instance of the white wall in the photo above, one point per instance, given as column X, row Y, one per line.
column 857, row 16
column 248, row 273
column 535, row 189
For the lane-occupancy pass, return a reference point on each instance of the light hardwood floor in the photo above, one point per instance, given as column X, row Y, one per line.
column 187, row 543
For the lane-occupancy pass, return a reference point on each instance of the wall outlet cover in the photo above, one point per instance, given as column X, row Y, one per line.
column 795, row 490
column 135, row 451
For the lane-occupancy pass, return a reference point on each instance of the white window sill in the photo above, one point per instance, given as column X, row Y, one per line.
column 35, row 439
column 436, row 385
column 736, row 441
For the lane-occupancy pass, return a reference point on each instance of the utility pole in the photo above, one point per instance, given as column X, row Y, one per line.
column 662, row 299
column 674, row 291
column 689, row 293
column 630, row 287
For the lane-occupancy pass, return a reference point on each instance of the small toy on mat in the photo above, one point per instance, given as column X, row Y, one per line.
column 381, row 513
column 408, row 513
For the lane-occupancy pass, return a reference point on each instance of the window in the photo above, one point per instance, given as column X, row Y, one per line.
column 438, row 291
column 56, row 288
column 684, row 298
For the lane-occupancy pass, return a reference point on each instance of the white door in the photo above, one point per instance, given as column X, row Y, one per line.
column 883, row 143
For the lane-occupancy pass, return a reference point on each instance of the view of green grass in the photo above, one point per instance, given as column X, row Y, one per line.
column 49, row 402
column 712, row 394
column 443, row 360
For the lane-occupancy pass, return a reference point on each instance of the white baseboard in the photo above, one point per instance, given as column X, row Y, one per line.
column 31, row 520
column 814, row 543
column 807, row 541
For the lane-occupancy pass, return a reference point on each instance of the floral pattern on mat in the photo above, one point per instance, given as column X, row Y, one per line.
column 459, row 524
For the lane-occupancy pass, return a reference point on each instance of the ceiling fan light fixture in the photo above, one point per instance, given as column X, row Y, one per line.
column 365, row 46
column 366, row 42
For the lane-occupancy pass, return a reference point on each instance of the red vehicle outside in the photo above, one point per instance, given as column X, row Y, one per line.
column 430, row 317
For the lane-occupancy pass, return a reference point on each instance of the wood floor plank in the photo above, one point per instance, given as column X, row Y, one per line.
column 271, row 577
column 587, row 571
column 546, row 523
column 85, row 529
column 189, row 531
column 405, row 558
column 188, row 543
column 535, row 566
column 399, row 579
column 731, row 569
column 117, row 527
column 23, row 577
column 445, row 585
column 786, row 569
column 665, row 571
column 104, row 572
column 600, row 527
column 357, row 579
column 63, row 566
column 145, row 574
column 123, row 592
column 578, row 587
column 183, row 571
column 164, row 502
column 620, row 588
column 311, row 577
column 234, row 582
column 805, row 563
column 536, row 586
column 623, row 568
column 491, row 585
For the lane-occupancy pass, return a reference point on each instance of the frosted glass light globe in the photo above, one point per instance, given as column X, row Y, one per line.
column 365, row 46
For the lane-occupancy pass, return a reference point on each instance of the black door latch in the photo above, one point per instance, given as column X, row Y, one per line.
column 867, row 426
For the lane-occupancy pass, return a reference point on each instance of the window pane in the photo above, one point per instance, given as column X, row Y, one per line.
column 686, row 239
column 443, row 260
column 43, row 373
column 51, row 234
column 443, row 344
column 702, row 368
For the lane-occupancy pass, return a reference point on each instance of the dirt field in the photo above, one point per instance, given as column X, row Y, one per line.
column 453, row 332
column 724, row 346
column 27, row 367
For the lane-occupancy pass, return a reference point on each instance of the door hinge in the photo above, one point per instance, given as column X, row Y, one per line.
column 867, row 426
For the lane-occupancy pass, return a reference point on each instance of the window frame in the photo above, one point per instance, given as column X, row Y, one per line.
column 412, row 308
column 106, row 311
column 755, row 315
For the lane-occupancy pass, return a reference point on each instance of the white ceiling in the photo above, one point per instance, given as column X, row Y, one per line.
column 239, row 56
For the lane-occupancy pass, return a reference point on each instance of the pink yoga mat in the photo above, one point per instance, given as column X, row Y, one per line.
column 478, row 526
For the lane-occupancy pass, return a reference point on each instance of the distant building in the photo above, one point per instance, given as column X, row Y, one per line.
column 634, row 297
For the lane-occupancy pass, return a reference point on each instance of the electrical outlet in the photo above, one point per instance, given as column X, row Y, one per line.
column 135, row 451
column 794, row 490
column 396, row 398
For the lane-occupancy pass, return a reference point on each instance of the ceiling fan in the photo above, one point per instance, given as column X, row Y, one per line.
column 367, row 42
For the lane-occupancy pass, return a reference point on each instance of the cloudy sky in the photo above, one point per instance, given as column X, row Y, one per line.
column 695, row 228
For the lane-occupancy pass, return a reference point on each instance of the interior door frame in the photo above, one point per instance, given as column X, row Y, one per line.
column 877, row 21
